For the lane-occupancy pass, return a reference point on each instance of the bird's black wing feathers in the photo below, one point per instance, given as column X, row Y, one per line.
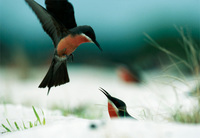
column 49, row 24
column 63, row 11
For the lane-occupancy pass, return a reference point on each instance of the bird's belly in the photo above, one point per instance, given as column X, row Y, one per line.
column 68, row 44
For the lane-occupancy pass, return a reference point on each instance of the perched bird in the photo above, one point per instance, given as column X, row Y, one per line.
column 59, row 23
column 128, row 74
column 116, row 107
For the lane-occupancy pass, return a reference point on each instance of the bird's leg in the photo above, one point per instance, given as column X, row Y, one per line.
column 70, row 56
column 63, row 51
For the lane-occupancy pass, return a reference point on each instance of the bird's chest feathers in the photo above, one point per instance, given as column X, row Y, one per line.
column 70, row 43
column 113, row 112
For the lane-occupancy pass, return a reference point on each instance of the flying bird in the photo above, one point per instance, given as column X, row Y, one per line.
column 59, row 23
column 116, row 107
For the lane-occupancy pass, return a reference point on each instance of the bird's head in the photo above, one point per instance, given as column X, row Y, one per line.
column 116, row 107
column 87, row 32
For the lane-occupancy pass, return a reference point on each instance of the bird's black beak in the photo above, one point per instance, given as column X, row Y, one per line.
column 106, row 93
column 97, row 44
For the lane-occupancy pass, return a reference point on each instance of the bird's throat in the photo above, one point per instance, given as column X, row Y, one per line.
column 112, row 110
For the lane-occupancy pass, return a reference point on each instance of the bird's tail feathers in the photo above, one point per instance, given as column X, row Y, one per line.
column 56, row 75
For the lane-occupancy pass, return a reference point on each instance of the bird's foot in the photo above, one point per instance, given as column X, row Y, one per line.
column 70, row 56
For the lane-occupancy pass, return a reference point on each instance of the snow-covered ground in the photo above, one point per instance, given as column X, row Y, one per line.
column 151, row 102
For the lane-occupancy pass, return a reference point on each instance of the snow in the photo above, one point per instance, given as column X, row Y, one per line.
column 151, row 103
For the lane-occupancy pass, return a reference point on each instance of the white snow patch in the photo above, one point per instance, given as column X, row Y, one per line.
column 153, row 97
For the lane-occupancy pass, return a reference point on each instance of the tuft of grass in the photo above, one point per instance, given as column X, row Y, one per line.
column 192, row 52
column 31, row 124
column 195, row 91
column 83, row 111
column 78, row 111
column 192, row 116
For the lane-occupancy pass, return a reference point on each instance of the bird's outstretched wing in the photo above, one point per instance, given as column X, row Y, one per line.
column 63, row 11
column 52, row 27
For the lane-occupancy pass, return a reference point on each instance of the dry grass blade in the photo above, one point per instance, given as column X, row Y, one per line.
column 192, row 116
column 192, row 52
column 155, row 44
